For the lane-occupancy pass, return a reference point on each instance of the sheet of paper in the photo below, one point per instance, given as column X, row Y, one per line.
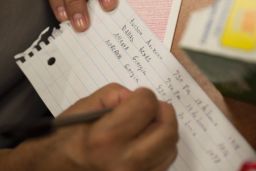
column 119, row 48
column 161, row 17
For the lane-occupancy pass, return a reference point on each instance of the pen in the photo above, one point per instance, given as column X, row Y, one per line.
column 45, row 126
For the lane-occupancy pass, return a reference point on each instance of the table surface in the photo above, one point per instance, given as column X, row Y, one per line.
column 241, row 114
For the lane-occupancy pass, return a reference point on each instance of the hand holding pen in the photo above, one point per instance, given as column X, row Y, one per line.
column 138, row 133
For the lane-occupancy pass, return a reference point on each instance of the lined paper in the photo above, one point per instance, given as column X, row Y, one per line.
column 118, row 47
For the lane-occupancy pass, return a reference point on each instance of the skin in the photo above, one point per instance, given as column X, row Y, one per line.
column 140, row 134
column 77, row 12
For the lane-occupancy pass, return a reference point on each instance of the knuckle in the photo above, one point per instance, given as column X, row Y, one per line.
column 147, row 93
column 114, row 87
column 111, row 94
column 111, row 89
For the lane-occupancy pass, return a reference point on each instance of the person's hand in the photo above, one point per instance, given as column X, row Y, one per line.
column 140, row 134
column 77, row 12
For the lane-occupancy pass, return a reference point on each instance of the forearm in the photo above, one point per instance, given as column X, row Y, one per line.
column 27, row 156
column 4, row 153
column 38, row 155
column 24, row 157
column 14, row 160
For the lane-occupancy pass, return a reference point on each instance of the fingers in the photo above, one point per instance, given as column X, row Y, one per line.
column 158, row 140
column 105, row 98
column 77, row 12
column 131, row 117
column 74, row 10
column 166, row 163
column 140, row 133
column 108, row 5
column 58, row 8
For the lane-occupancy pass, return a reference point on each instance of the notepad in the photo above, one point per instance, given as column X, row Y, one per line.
column 118, row 47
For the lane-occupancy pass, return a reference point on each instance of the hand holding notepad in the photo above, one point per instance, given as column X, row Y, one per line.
column 119, row 48
column 160, row 16
column 76, row 11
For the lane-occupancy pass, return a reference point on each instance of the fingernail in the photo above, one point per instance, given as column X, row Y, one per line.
column 108, row 5
column 81, row 22
column 62, row 14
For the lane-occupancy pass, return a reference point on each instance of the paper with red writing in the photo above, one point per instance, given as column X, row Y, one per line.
column 160, row 16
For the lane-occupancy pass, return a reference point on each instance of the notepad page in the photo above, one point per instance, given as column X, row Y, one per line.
column 118, row 47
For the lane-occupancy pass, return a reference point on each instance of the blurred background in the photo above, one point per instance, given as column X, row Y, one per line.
column 219, row 36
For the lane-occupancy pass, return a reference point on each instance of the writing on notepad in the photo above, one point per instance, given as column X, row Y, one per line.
column 119, row 48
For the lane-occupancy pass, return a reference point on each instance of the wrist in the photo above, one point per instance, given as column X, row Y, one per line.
column 30, row 155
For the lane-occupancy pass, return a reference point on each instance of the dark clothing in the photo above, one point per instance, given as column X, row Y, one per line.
column 21, row 23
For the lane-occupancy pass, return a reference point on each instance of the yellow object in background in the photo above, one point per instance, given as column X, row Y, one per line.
column 240, row 28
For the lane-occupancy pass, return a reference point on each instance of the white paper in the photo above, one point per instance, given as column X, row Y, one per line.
column 119, row 48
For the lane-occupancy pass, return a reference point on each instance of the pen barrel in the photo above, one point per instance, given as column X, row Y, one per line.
column 79, row 118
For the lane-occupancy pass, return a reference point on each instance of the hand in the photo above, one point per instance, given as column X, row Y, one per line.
column 76, row 11
column 140, row 134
